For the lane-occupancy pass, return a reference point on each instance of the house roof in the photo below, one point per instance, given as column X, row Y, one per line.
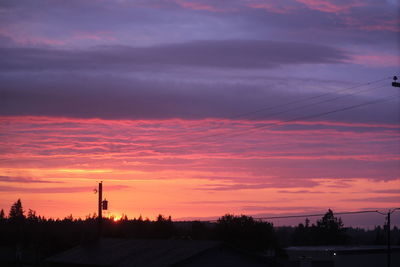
column 133, row 252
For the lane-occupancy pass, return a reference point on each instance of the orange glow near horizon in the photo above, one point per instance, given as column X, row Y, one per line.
column 169, row 167
column 115, row 218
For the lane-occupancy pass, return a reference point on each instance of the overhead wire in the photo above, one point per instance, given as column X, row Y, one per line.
column 300, row 100
column 293, row 119
column 308, row 98
column 381, row 100
column 314, row 215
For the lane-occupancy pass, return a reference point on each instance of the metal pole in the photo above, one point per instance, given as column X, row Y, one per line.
column 100, row 216
column 388, row 241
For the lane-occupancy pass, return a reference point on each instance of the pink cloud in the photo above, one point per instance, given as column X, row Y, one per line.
column 198, row 5
column 96, row 36
column 373, row 23
column 65, row 148
column 331, row 6
column 377, row 60
column 23, row 38
column 172, row 154
column 28, row 180
column 57, row 190
column 272, row 6
column 176, row 136
column 389, row 199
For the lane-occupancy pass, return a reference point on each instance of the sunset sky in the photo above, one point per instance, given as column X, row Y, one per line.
column 197, row 108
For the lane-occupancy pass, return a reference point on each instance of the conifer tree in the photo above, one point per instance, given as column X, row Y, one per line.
column 16, row 212
column 2, row 215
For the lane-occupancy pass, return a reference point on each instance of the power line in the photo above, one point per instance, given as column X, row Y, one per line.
column 289, row 103
column 282, row 122
column 381, row 100
column 317, row 215
column 307, row 98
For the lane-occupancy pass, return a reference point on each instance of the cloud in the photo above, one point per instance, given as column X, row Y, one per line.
column 331, row 6
column 57, row 190
column 388, row 199
column 56, row 24
column 278, row 208
column 293, row 183
column 384, row 60
column 256, row 169
column 145, row 95
column 275, row 158
column 301, row 192
column 10, row 179
column 242, row 54
column 387, row 191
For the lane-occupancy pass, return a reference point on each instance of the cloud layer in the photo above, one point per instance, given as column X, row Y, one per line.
column 243, row 54
column 288, row 166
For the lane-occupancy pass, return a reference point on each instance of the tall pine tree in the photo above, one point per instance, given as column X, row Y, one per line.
column 16, row 212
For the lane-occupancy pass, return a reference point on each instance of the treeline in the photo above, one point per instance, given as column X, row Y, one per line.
column 49, row 236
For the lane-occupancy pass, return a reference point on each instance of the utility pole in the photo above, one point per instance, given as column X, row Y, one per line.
column 388, row 237
column 100, row 216
column 102, row 205
column 395, row 83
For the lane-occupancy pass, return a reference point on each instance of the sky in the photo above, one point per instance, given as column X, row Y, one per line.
column 198, row 108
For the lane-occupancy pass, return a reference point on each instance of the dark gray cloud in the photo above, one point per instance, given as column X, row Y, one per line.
column 111, row 96
column 40, row 76
column 241, row 54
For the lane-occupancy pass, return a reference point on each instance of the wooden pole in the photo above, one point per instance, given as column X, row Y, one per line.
column 100, row 216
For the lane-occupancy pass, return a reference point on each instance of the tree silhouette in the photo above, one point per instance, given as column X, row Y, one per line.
column 330, row 229
column 304, row 234
column 163, row 227
column 329, row 221
column 245, row 232
column 2, row 215
column 16, row 212
column 32, row 217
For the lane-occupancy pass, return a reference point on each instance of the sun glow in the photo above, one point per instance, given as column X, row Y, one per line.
column 115, row 218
